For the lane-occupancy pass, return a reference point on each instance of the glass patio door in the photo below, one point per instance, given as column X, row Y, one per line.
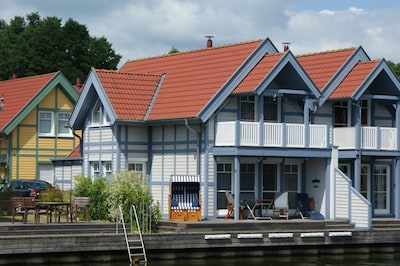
column 376, row 187
column 381, row 189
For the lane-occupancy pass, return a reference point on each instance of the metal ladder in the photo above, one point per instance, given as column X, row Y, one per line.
column 134, row 242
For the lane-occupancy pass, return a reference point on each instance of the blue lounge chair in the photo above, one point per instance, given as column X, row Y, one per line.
column 304, row 208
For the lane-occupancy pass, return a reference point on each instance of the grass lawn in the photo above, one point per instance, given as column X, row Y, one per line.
column 31, row 219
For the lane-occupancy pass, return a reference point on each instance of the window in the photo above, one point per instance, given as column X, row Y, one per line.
column 63, row 118
column 96, row 170
column 96, row 114
column 108, row 170
column 364, row 113
column 247, row 107
column 46, row 124
column 99, row 116
column 247, row 177
column 290, row 178
column 138, row 167
column 270, row 108
column 341, row 114
column 102, row 169
column 270, row 180
column 224, row 175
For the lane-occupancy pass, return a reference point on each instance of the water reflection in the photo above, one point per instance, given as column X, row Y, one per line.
column 328, row 260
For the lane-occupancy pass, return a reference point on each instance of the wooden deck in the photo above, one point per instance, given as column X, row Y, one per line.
column 176, row 240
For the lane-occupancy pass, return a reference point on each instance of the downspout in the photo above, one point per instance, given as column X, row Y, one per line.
column 198, row 136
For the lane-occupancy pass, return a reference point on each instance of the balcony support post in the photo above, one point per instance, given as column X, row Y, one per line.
column 261, row 120
column 306, row 121
column 238, row 133
column 236, row 188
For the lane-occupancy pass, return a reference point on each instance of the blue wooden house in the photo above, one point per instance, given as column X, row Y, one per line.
column 252, row 120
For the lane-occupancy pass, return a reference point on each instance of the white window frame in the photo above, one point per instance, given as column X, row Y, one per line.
column 95, row 169
column 132, row 166
column 96, row 112
column 61, row 124
column 46, row 134
column 103, row 117
column 107, row 169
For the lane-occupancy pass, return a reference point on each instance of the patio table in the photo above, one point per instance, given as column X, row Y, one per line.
column 260, row 205
column 56, row 208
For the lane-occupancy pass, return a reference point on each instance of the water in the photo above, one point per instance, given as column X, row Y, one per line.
column 388, row 259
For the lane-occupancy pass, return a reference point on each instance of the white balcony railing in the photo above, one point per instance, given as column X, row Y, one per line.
column 274, row 135
column 371, row 138
column 245, row 133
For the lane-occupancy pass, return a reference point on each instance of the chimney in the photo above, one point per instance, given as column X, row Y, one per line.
column 285, row 46
column 209, row 41
column 14, row 76
column 78, row 82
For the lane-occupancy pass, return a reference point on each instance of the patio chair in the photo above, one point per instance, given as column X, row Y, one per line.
column 18, row 208
column 231, row 202
column 23, row 206
column 80, row 206
column 281, row 206
column 32, row 208
column 304, row 208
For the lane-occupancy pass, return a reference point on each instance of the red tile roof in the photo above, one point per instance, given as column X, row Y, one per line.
column 18, row 93
column 75, row 153
column 192, row 78
column 354, row 79
column 258, row 73
column 129, row 93
column 321, row 67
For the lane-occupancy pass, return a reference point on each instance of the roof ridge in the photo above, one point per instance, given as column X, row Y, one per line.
column 127, row 73
column 327, row 52
column 369, row 61
column 195, row 50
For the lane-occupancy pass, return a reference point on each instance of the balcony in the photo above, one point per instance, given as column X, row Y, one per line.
column 289, row 135
column 271, row 135
column 371, row 138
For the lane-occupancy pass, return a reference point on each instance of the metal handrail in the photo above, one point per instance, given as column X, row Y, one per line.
column 132, row 212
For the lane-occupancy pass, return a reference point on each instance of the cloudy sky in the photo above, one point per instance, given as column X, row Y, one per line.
column 142, row 28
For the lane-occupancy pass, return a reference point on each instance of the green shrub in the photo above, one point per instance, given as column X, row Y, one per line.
column 51, row 194
column 130, row 188
column 97, row 191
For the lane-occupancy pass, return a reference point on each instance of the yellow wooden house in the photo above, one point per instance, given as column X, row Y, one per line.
column 33, row 125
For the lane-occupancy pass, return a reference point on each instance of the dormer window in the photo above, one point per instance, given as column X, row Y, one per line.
column 96, row 114
column 99, row 116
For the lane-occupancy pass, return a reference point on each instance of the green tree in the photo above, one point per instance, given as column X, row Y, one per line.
column 395, row 67
column 35, row 45
column 173, row 50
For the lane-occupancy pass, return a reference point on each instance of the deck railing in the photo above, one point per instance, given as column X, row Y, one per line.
column 271, row 135
column 371, row 138
column 244, row 133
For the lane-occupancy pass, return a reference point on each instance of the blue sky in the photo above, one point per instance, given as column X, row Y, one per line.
column 143, row 28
